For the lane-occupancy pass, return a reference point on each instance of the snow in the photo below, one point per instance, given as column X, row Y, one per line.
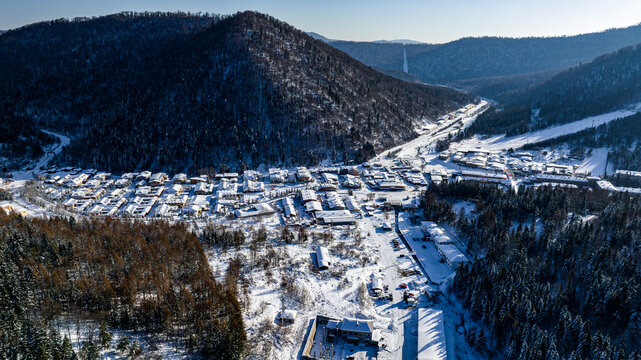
column 501, row 142
column 78, row 331
column 425, row 251
column 431, row 335
column 595, row 163
column 430, row 138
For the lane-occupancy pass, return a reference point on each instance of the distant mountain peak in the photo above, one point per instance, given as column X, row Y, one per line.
column 399, row 41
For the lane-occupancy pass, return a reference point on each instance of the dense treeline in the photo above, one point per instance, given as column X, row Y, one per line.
column 20, row 141
column 510, row 121
column 180, row 92
column 135, row 276
column 622, row 136
column 548, row 284
column 608, row 83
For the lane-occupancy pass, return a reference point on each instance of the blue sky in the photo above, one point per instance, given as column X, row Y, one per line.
column 423, row 20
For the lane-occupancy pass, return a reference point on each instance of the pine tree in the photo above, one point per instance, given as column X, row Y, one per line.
column 104, row 336
column 481, row 340
column 123, row 344
column 552, row 354
column 67, row 352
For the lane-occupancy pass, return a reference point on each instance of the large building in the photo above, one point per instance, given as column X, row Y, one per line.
column 431, row 335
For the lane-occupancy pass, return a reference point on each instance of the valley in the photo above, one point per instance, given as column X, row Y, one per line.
column 194, row 185
column 361, row 214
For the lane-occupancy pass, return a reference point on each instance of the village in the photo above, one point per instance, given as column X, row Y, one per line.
column 371, row 282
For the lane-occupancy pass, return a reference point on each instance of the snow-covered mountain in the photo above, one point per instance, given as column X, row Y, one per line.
column 180, row 92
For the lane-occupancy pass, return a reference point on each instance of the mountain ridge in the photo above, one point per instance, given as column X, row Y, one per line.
column 607, row 83
column 268, row 94
column 488, row 57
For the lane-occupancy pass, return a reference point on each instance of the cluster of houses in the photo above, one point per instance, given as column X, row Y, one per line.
column 321, row 192
column 519, row 163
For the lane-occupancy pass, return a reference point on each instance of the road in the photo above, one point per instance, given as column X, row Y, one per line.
column 44, row 160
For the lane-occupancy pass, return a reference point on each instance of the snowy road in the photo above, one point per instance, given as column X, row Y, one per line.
column 430, row 138
column 44, row 160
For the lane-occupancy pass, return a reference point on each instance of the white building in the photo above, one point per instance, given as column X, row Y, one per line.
column 307, row 196
column 322, row 258
column 288, row 207
column 257, row 210
column 431, row 335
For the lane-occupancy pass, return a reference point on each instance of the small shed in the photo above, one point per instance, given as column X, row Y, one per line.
column 288, row 316
column 322, row 258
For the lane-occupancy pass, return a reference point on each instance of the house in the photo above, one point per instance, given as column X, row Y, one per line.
column 179, row 178
column 322, row 258
column 228, row 176
column 335, row 217
column 174, row 189
column 250, row 186
column 288, row 207
column 137, row 210
column 352, row 182
column 158, row 179
column 257, row 210
column 327, row 187
column 351, row 204
column 203, row 188
column 307, row 196
column 102, row 176
column 277, row 176
column 431, row 335
column 334, row 201
column 391, row 185
column 329, row 178
column 175, row 200
column 287, row 316
column 313, row 206
column 353, row 330
column 377, row 284
column 303, row 175
column 145, row 175
column 251, row 175
column 122, row 183
column 198, row 179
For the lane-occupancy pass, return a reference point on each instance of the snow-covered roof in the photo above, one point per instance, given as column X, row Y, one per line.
column 312, row 206
column 431, row 335
column 322, row 257
column 357, row 325
column 452, row 253
column 289, row 314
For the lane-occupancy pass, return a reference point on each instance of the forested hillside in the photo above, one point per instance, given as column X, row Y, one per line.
column 181, row 92
column 20, row 141
column 128, row 275
column 608, row 83
column 557, row 273
column 475, row 63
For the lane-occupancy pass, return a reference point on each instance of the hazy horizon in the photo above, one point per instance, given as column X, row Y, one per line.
column 360, row 20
